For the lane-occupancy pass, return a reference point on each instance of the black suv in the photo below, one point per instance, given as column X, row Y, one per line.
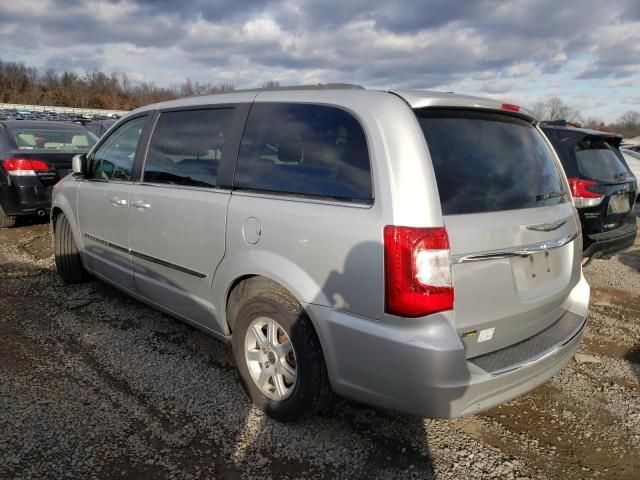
column 34, row 155
column 604, row 189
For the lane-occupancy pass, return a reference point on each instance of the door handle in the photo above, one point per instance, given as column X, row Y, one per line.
column 141, row 204
column 117, row 201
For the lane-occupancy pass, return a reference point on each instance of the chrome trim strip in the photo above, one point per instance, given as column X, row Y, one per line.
column 144, row 256
column 185, row 187
column 291, row 197
column 542, row 355
column 523, row 251
column 107, row 244
column 164, row 263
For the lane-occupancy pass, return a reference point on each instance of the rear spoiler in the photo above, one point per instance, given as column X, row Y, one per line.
column 576, row 134
column 417, row 99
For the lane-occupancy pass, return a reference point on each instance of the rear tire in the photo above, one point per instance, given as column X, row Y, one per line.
column 6, row 221
column 68, row 261
column 310, row 389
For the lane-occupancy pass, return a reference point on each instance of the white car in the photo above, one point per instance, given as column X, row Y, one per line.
column 633, row 160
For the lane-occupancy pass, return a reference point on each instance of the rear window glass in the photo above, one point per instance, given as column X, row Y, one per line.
column 186, row 147
column 53, row 139
column 597, row 159
column 486, row 162
column 304, row 149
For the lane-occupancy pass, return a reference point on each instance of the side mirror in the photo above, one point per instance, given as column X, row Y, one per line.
column 78, row 165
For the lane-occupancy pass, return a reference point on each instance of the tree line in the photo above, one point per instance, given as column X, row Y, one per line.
column 627, row 125
column 20, row 83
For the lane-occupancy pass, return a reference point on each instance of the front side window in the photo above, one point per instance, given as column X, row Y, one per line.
column 53, row 139
column 186, row 147
column 304, row 149
column 114, row 159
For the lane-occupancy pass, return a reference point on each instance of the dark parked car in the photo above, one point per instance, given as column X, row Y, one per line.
column 604, row 189
column 99, row 127
column 34, row 155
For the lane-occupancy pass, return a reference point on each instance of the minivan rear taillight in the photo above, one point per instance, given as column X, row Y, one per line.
column 417, row 271
column 582, row 194
column 21, row 167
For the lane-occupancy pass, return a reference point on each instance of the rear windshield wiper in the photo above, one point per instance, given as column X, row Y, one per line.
column 547, row 196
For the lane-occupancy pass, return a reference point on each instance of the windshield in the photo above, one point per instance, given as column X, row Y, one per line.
column 53, row 139
column 597, row 159
column 486, row 162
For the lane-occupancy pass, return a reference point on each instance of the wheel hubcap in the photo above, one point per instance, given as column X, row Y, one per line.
column 270, row 358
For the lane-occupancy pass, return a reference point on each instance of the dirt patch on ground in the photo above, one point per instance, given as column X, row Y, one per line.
column 95, row 384
column 33, row 239
column 609, row 348
column 612, row 297
column 40, row 247
column 576, row 440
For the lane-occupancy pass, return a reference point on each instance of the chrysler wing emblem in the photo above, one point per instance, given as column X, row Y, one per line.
column 547, row 227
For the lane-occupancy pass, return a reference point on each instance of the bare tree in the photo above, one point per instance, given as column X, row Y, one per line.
column 271, row 84
column 629, row 118
column 538, row 109
column 629, row 123
column 556, row 109
column 594, row 123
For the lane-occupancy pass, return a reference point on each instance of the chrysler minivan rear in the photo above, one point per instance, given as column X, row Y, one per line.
column 492, row 302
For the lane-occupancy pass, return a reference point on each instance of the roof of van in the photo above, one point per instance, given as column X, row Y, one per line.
column 414, row 98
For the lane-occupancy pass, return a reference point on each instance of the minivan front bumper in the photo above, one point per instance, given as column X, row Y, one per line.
column 419, row 366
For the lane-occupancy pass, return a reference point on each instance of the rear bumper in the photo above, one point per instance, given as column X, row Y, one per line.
column 24, row 200
column 609, row 243
column 422, row 369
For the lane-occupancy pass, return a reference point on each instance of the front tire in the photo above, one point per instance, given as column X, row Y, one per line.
column 279, row 357
column 68, row 261
column 6, row 221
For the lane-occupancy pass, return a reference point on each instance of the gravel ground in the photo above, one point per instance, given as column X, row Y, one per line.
column 94, row 384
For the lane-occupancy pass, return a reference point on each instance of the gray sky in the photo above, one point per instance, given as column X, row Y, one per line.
column 587, row 52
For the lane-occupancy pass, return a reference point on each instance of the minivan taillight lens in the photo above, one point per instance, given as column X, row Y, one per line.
column 24, row 166
column 582, row 194
column 417, row 271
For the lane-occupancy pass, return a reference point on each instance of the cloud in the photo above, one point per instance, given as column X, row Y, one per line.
column 519, row 48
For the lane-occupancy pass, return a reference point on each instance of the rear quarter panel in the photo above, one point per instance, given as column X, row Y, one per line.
column 328, row 253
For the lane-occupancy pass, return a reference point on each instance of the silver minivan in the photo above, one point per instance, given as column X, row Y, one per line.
column 412, row 250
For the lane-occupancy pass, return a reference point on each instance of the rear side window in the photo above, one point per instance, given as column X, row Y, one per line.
column 304, row 149
column 486, row 162
column 186, row 147
column 53, row 139
column 597, row 159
